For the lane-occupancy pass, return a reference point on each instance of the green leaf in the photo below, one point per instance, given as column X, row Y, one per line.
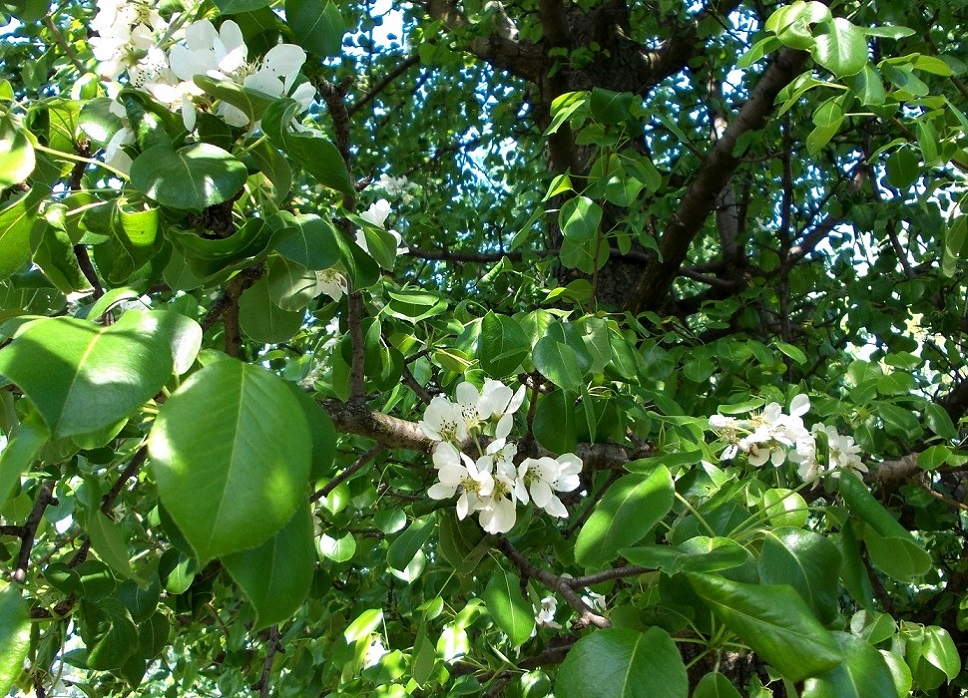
column 623, row 663
column 290, row 285
column 863, row 673
column 230, row 452
column 555, row 425
column 579, row 218
column 313, row 244
column 560, row 364
column 508, row 607
column 317, row 25
column 318, row 156
column 82, row 377
column 194, row 177
column 363, row 625
column 610, row 107
column 938, row 421
column 631, row 507
column 940, row 650
column 868, row 86
column 403, row 549
column 17, row 221
column 230, row 7
column 502, row 345
column 253, row 104
column 262, row 320
column 862, row 504
column 715, row 685
column 774, row 621
column 698, row 554
column 806, row 561
column 840, row 47
column 14, row 635
column 23, row 446
column 16, row 153
column 109, row 544
column 897, row 556
column 276, row 576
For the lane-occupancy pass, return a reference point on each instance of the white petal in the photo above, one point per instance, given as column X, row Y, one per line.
column 555, row 507
column 541, row 493
column 441, row 491
column 800, row 405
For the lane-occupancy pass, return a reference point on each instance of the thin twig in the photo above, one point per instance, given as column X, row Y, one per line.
column 605, row 576
column 944, row 498
column 412, row 383
column 272, row 646
column 107, row 501
column 382, row 84
column 586, row 616
column 44, row 497
column 64, row 45
column 87, row 268
column 360, row 463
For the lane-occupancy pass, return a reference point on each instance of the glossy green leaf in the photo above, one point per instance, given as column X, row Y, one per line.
column 508, row 607
column 630, row 508
column 17, row 221
column 109, row 544
column 840, row 47
column 939, row 649
column 405, row 546
column 623, row 663
column 862, row 504
column 275, row 576
column 251, row 103
column 321, row 430
column 560, row 364
column 317, row 25
column 290, row 285
column 109, row 634
column 502, row 346
column 229, row 7
column 23, row 446
column 16, row 153
column 868, row 86
column 774, row 621
column 264, row 321
column 862, row 674
column 715, row 685
column 14, row 635
column 193, row 177
column 579, row 218
column 808, row 562
column 698, row 554
column 315, row 154
column 82, row 377
column 313, row 244
column 233, row 479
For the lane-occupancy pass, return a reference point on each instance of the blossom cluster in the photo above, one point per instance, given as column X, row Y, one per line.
column 162, row 59
column 776, row 436
column 491, row 485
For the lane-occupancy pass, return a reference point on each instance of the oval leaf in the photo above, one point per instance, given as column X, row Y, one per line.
column 774, row 621
column 808, row 562
column 275, row 576
column 508, row 607
column 627, row 512
column 623, row 663
column 863, row 673
column 194, row 177
column 232, row 479
column 82, row 377
column 14, row 635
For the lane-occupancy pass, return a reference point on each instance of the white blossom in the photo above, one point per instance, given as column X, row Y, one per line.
column 546, row 614
column 542, row 477
column 458, row 471
column 330, row 282
column 594, row 601
column 444, row 421
column 498, row 513
column 377, row 215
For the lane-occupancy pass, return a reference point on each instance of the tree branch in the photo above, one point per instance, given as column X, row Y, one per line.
column 44, row 496
column 349, row 472
column 586, row 616
column 703, row 192
column 372, row 93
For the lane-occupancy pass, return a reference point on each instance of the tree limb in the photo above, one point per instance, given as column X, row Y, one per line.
column 701, row 195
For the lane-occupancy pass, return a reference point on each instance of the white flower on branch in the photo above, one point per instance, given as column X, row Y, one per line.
column 546, row 614
column 458, row 471
column 444, row 421
column 330, row 282
column 542, row 477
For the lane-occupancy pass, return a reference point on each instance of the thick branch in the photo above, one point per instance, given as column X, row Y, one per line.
column 714, row 173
